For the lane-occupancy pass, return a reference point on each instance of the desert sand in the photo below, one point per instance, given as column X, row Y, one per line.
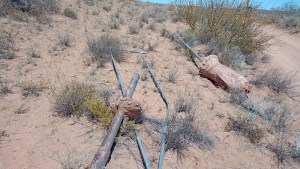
column 39, row 139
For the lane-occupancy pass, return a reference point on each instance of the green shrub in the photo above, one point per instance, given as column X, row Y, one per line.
column 100, row 111
column 69, row 12
column 232, row 23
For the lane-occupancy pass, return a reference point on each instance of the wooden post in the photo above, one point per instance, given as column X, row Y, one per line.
column 103, row 153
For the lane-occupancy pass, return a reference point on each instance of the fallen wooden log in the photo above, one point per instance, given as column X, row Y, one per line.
column 222, row 75
column 103, row 153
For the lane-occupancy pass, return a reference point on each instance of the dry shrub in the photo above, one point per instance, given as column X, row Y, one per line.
column 134, row 28
column 65, row 39
column 4, row 88
column 172, row 75
column 277, row 80
column 71, row 98
column 31, row 88
column 232, row 23
column 7, row 44
column 246, row 127
column 185, row 102
column 182, row 132
column 69, row 12
column 32, row 7
column 101, row 48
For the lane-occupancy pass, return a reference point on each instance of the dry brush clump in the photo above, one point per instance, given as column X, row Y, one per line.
column 4, row 88
column 7, row 44
column 30, row 88
column 71, row 13
column 70, row 99
column 183, row 132
column 247, row 128
column 100, row 49
column 35, row 8
column 77, row 98
column 233, row 24
column 277, row 80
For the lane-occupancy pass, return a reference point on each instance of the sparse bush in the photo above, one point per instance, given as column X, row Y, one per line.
column 232, row 23
column 152, row 46
column 281, row 121
column 115, row 23
column 107, row 8
column 33, row 52
column 4, row 88
column 65, row 39
column 70, row 100
column 89, row 2
column 105, row 93
column 184, row 102
column 33, row 7
column 144, row 18
column 7, row 44
column 69, row 12
column 144, row 75
column 134, row 28
column 172, row 75
column 160, row 17
column 295, row 152
column 20, row 109
column 31, row 88
column 182, row 132
column 247, row 128
column 277, row 80
column 71, row 160
column 101, row 48
column 281, row 153
column 152, row 26
column 250, row 104
column 100, row 111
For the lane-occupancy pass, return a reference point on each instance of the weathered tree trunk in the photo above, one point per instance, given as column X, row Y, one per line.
column 103, row 153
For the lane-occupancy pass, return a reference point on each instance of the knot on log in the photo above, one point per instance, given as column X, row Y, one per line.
column 130, row 108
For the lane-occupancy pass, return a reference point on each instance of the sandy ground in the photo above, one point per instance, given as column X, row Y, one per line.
column 285, row 52
column 39, row 139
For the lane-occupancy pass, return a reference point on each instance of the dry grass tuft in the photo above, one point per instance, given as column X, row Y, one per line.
column 71, row 13
column 277, row 80
column 247, row 128
column 71, row 98
column 31, row 88
column 182, row 132
column 100, row 49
